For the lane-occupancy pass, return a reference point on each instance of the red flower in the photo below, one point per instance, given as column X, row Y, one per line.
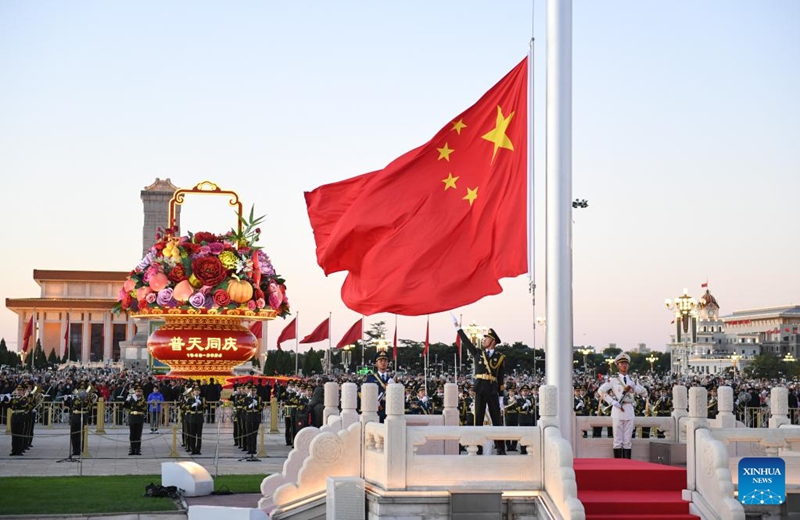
column 126, row 301
column 178, row 274
column 222, row 298
column 209, row 270
column 204, row 236
column 257, row 293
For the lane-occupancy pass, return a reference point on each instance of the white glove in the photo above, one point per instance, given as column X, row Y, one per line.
column 455, row 320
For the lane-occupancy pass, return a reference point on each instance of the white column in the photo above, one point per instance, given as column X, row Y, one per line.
column 559, row 207
column 86, row 339
column 108, row 335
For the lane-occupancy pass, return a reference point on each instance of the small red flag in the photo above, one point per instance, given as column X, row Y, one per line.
column 257, row 329
column 427, row 337
column 394, row 344
column 353, row 334
column 704, row 285
column 402, row 232
column 288, row 332
column 321, row 332
column 26, row 337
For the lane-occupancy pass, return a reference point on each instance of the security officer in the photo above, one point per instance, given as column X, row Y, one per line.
column 489, row 378
column 620, row 392
column 137, row 409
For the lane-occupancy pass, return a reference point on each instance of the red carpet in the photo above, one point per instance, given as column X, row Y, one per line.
column 622, row 489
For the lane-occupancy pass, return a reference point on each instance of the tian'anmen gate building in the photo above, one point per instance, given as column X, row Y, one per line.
column 74, row 309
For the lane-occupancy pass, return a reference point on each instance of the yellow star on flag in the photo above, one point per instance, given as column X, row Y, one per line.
column 498, row 134
column 444, row 153
column 471, row 195
column 450, row 181
column 458, row 126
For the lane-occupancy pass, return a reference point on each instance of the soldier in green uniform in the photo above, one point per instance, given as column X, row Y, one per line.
column 195, row 405
column 511, row 411
column 19, row 407
column 137, row 409
column 80, row 413
column 489, row 378
column 252, row 407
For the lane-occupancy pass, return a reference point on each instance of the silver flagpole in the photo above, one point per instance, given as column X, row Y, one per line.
column 558, row 267
column 296, row 340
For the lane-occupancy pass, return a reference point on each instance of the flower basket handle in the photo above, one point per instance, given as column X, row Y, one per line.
column 204, row 188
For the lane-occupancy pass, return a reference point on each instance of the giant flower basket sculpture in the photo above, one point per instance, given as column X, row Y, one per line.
column 205, row 287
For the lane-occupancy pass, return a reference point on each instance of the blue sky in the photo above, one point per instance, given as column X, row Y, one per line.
column 686, row 123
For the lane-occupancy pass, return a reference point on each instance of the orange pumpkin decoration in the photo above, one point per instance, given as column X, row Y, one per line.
column 240, row 291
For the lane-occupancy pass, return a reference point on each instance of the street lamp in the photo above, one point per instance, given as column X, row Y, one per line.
column 734, row 358
column 652, row 358
column 347, row 354
column 542, row 322
column 685, row 311
column 585, row 351
column 789, row 358
column 610, row 362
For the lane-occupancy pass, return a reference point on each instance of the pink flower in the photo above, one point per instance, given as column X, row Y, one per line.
column 251, row 305
column 260, row 303
column 151, row 297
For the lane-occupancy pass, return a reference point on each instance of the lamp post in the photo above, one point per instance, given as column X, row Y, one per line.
column 734, row 358
column 789, row 358
column 542, row 322
column 585, row 351
column 347, row 353
column 610, row 362
column 652, row 358
column 685, row 312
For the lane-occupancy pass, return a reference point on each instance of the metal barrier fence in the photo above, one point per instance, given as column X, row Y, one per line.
column 115, row 415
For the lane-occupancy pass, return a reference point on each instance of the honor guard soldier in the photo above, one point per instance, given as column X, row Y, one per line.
column 380, row 376
column 236, row 408
column 137, row 409
column 19, row 408
column 527, row 411
column 511, row 412
column 80, row 413
column 252, row 408
column 195, row 406
column 489, row 378
column 619, row 392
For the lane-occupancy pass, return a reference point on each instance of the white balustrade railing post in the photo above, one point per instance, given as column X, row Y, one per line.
column 779, row 407
column 369, row 403
column 331, row 401
column 679, row 412
column 450, row 415
column 349, row 404
column 394, row 448
column 725, row 417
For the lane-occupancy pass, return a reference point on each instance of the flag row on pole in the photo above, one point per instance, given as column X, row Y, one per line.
column 354, row 333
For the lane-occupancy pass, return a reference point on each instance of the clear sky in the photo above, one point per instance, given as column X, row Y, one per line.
column 686, row 130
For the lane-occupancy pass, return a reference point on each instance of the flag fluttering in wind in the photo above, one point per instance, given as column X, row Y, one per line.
column 288, row 332
column 352, row 335
column 26, row 336
column 440, row 225
column 321, row 332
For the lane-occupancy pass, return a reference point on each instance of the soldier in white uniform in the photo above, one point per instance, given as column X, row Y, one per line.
column 619, row 392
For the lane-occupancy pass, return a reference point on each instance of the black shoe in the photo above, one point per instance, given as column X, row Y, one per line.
column 501, row 452
column 512, row 449
column 480, row 450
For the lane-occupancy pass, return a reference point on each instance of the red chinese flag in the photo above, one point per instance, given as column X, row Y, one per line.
column 288, row 332
column 394, row 344
column 427, row 337
column 26, row 336
column 321, row 332
column 257, row 329
column 440, row 225
column 352, row 335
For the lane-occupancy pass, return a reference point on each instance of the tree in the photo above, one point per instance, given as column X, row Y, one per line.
column 765, row 366
column 52, row 359
column 376, row 331
column 39, row 359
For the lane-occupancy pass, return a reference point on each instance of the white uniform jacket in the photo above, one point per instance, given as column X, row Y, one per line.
column 613, row 392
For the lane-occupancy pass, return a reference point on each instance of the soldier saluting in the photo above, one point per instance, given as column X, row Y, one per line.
column 489, row 378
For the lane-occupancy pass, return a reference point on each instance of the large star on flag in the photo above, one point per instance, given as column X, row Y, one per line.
column 498, row 134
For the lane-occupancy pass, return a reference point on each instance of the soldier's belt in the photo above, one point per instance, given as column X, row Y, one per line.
column 137, row 413
column 486, row 377
column 19, row 411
